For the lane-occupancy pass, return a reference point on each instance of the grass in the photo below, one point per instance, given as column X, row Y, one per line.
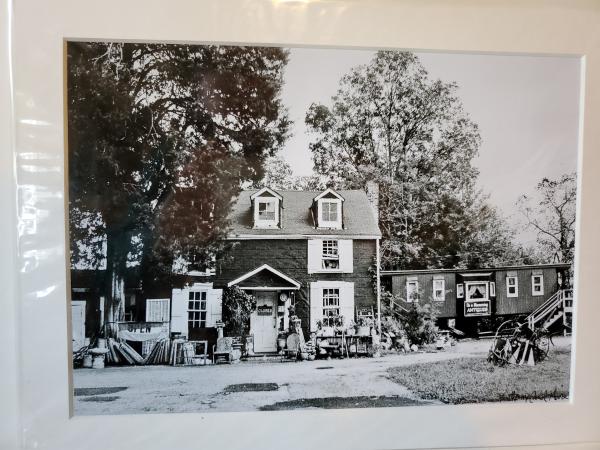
column 474, row 380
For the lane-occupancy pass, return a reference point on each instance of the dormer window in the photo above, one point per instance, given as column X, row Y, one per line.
column 266, row 205
column 329, row 209
column 266, row 210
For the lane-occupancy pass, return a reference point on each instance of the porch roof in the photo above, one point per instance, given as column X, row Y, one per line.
column 265, row 277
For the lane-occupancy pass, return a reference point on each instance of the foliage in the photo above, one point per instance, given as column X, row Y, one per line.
column 153, row 128
column 418, row 322
column 551, row 213
column 237, row 308
column 391, row 123
column 280, row 176
column 474, row 380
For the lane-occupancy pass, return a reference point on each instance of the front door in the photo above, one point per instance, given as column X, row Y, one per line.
column 78, row 323
column 263, row 322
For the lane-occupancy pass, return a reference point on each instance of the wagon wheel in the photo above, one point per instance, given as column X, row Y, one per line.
column 501, row 349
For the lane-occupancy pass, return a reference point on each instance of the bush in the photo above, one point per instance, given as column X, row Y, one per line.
column 237, row 308
column 419, row 323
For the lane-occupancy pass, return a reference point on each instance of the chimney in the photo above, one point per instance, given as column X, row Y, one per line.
column 372, row 189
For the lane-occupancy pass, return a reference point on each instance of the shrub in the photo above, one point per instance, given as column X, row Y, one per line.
column 237, row 308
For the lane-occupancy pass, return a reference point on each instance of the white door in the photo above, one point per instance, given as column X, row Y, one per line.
column 263, row 322
column 78, row 323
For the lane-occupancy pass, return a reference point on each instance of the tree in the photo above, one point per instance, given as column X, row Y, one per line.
column 160, row 134
column 389, row 122
column 278, row 175
column 550, row 212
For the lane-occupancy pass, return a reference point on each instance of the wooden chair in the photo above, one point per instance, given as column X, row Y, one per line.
column 292, row 347
column 223, row 350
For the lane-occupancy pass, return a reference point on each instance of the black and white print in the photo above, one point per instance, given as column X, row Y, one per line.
column 259, row 228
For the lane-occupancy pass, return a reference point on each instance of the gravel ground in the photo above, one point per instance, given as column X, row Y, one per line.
column 257, row 385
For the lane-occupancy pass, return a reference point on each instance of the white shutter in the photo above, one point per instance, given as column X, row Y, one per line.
column 315, row 253
column 213, row 307
column 316, row 304
column 346, row 255
column 157, row 310
column 347, row 301
column 179, row 322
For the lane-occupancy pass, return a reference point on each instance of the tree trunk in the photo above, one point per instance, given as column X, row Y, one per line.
column 117, row 247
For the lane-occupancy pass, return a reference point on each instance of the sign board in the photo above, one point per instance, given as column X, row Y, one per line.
column 264, row 310
column 477, row 308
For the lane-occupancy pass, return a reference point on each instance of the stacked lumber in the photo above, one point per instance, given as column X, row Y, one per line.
column 160, row 353
column 119, row 352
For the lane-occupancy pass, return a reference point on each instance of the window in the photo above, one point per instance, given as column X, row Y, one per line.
column 412, row 291
column 197, row 309
column 537, row 285
column 460, row 290
column 329, row 211
column 492, row 289
column 331, row 306
column 477, row 291
column 512, row 286
column 331, row 256
column 439, row 290
column 157, row 310
column 266, row 211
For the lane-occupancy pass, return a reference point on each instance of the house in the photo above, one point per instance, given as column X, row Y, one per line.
column 314, row 250
column 191, row 309
column 468, row 299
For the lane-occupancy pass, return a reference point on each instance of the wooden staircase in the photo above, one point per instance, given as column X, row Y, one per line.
column 558, row 307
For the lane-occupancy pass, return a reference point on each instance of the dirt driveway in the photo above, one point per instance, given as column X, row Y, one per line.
column 250, row 386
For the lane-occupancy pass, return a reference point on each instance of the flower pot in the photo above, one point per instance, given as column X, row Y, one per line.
column 280, row 344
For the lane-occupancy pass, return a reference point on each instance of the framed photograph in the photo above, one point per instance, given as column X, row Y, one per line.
column 326, row 229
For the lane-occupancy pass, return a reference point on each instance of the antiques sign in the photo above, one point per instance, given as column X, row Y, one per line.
column 477, row 308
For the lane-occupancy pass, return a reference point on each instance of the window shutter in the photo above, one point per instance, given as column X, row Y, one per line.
column 347, row 301
column 213, row 307
column 315, row 252
column 157, row 310
column 316, row 304
column 346, row 255
column 179, row 312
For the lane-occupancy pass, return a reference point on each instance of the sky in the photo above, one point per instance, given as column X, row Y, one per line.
column 527, row 109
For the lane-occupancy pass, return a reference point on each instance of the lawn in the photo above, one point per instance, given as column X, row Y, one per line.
column 474, row 380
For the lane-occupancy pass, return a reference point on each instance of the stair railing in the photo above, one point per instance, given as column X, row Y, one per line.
column 544, row 310
column 556, row 301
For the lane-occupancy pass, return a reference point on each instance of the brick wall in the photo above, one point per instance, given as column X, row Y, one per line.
column 290, row 257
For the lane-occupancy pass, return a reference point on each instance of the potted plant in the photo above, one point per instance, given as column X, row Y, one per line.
column 364, row 325
column 281, row 341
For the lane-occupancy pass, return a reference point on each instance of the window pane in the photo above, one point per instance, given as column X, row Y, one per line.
column 266, row 210
column 203, row 295
column 191, row 296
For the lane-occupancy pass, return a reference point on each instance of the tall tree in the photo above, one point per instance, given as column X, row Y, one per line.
column 550, row 212
column 391, row 123
column 160, row 135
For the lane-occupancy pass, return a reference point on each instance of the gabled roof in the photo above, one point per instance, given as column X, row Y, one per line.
column 263, row 190
column 297, row 220
column 274, row 278
column 326, row 192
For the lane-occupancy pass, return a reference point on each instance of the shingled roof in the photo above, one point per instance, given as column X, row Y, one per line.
column 297, row 220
